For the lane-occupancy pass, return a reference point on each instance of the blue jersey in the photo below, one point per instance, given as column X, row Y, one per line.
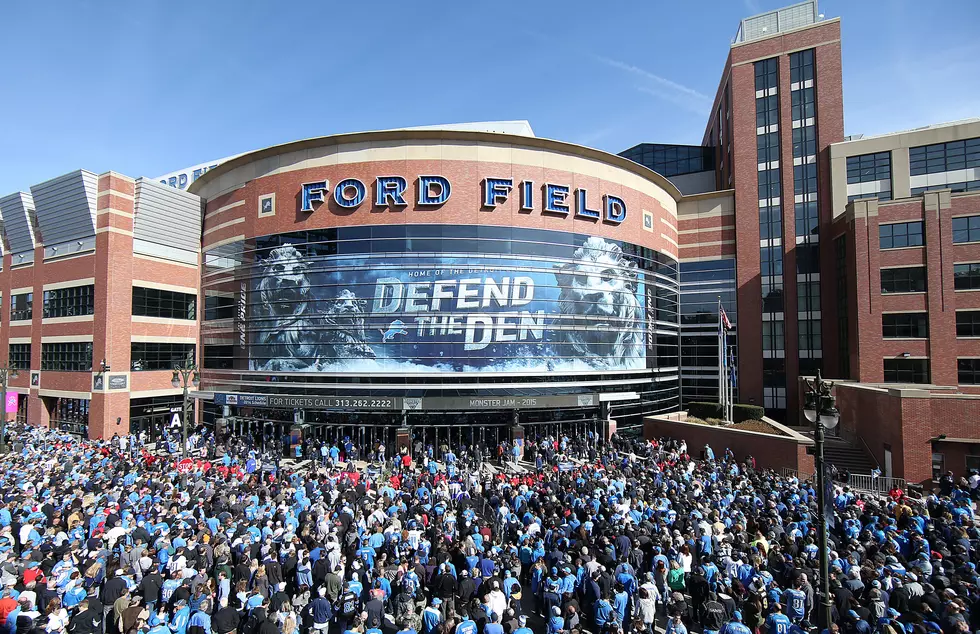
column 778, row 624
column 795, row 602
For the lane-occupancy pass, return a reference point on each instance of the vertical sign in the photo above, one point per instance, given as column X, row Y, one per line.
column 11, row 404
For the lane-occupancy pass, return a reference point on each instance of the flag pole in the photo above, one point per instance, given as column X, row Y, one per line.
column 722, row 401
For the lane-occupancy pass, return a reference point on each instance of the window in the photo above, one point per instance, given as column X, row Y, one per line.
column 67, row 357
column 805, row 178
column 219, row 357
column 966, row 229
column 766, row 74
column 944, row 157
column 905, row 325
column 153, row 302
column 771, row 260
column 770, row 222
column 219, row 307
column 809, row 331
column 966, row 277
column 20, row 356
column 767, row 147
column 968, row 323
column 772, row 295
column 868, row 168
column 808, row 297
column 804, row 141
column 801, row 66
column 774, row 397
column 968, row 371
column 769, row 184
column 906, row 370
column 901, row 234
column 963, row 186
column 159, row 356
column 773, row 337
column 69, row 302
column 938, row 466
column 806, row 218
column 807, row 259
column 21, row 306
column 802, row 104
column 907, row 279
column 766, row 111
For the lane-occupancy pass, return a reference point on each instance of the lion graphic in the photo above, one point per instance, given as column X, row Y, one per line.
column 292, row 335
column 344, row 335
column 600, row 314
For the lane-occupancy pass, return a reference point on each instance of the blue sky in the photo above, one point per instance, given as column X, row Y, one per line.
column 145, row 88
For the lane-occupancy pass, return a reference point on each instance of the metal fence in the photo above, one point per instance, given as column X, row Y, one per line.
column 875, row 484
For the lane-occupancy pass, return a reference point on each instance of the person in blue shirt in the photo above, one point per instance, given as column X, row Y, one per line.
column 466, row 626
column 556, row 623
column 494, row 626
column 795, row 601
column 735, row 626
column 603, row 612
column 522, row 627
column 431, row 616
column 777, row 622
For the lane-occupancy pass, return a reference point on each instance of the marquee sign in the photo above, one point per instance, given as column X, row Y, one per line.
column 433, row 190
column 437, row 403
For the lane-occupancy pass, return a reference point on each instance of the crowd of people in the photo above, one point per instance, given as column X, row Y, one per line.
column 619, row 536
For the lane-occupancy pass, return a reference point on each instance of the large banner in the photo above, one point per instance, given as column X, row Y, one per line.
column 415, row 313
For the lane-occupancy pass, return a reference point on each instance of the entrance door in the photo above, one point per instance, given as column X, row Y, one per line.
column 888, row 461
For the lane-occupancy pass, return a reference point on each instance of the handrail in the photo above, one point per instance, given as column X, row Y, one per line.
column 868, row 451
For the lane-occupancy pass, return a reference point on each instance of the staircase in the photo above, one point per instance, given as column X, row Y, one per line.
column 845, row 455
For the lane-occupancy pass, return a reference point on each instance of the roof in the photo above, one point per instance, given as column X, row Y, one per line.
column 439, row 134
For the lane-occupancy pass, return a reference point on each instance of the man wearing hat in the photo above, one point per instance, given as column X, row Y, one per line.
column 432, row 616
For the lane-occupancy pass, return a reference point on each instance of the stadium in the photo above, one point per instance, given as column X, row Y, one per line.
column 455, row 286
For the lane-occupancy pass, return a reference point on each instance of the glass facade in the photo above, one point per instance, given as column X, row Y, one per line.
column 362, row 304
column 944, row 157
column 672, row 160
column 806, row 209
column 70, row 302
column 702, row 284
column 67, row 357
column 870, row 168
column 155, row 302
column 145, row 356
column 771, row 204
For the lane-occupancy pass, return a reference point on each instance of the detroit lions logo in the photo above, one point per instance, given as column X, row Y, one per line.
column 396, row 327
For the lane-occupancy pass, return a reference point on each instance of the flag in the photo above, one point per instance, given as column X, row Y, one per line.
column 727, row 325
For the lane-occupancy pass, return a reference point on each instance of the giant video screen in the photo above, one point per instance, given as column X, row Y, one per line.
column 579, row 308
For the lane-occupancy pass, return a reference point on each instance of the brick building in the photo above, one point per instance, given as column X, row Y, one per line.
column 99, row 296
column 857, row 256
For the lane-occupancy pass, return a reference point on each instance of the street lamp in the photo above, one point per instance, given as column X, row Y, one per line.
column 184, row 376
column 5, row 373
column 820, row 409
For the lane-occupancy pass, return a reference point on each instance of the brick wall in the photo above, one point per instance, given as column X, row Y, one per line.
column 910, row 422
column 769, row 451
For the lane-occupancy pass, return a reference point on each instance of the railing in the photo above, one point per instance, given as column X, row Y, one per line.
column 875, row 484
column 867, row 451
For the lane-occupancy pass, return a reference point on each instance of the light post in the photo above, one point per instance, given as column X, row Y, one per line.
column 5, row 373
column 820, row 409
column 184, row 376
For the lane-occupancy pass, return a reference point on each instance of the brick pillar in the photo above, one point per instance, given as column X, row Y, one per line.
column 113, row 304
column 940, row 299
column 864, row 265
